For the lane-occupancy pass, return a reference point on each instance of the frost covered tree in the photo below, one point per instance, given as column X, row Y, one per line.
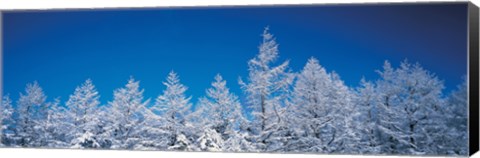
column 55, row 128
column 308, row 108
column 82, row 107
column 457, row 120
column 105, row 128
column 32, row 110
column 220, row 115
column 387, row 113
column 367, row 100
column 174, row 107
column 410, row 110
column 6, row 121
column 321, row 112
column 346, row 140
column 126, row 115
column 266, row 88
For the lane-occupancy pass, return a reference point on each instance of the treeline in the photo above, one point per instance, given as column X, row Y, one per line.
column 313, row 111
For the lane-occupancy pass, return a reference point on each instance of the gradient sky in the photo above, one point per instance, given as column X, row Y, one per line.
column 61, row 49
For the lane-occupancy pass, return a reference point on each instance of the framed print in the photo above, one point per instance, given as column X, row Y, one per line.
column 355, row 79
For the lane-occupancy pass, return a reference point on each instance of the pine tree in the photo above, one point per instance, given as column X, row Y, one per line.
column 174, row 108
column 56, row 127
column 105, row 127
column 457, row 121
column 83, row 104
column 32, row 109
column 367, row 100
column 6, row 121
column 346, row 140
column 220, row 115
column 308, row 109
column 322, row 112
column 127, row 116
column 266, row 91
column 410, row 110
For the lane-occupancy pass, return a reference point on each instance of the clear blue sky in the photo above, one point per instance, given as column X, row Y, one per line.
column 61, row 49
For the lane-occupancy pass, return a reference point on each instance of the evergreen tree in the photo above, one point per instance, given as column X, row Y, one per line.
column 83, row 104
column 175, row 108
column 367, row 100
column 6, row 121
column 266, row 89
column 410, row 110
column 457, row 120
column 221, row 117
column 322, row 112
column 127, row 115
column 32, row 109
column 55, row 128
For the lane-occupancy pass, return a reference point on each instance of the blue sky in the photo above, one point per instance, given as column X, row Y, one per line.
column 61, row 49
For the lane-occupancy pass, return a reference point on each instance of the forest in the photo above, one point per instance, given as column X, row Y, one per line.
column 404, row 111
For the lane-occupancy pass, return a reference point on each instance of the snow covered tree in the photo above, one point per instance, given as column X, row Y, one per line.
column 6, row 121
column 126, row 115
column 210, row 140
column 82, row 107
column 220, row 117
column 240, row 141
column 345, row 128
column 55, row 128
column 321, row 112
column 174, row 108
column 266, row 89
column 105, row 128
column 410, row 109
column 367, row 100
column 308, row 109
column 32, row 109
column 388, row 117
column 151, row 135
column 457, row 121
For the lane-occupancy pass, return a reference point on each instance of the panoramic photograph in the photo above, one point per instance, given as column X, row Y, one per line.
column 358, row 79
